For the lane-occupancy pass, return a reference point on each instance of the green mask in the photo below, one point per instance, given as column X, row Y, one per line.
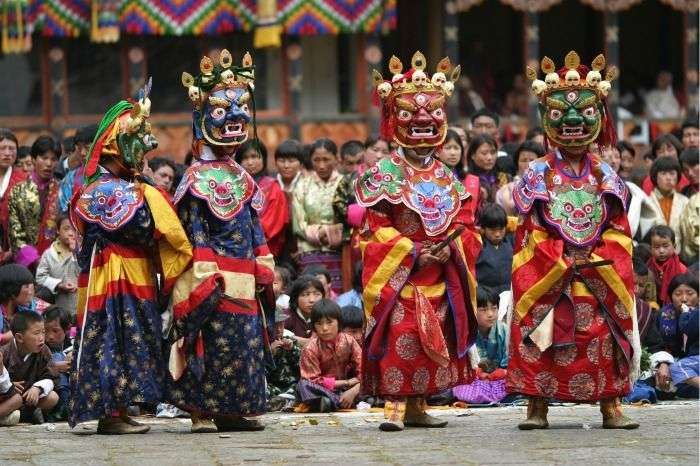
column 572, row 117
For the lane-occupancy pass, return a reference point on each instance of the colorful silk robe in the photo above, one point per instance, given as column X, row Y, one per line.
column 420, row 321
column 571, row 335
column 14, row 177
column 32, row 213
column 274, row 216
column 217, row 363
column 130, row 234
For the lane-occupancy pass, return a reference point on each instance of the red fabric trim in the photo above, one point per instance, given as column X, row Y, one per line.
column 232, row 308
column 197, row 296
column 97, row 303
column 229, row 264
column 124, row 252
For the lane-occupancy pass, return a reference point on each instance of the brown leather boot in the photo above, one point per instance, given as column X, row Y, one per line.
column 394, row 415
column 536, row 415
column 417, row 417
column 611, row 409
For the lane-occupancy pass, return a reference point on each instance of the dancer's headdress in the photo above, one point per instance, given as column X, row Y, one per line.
column 573, row 101
column 124, row 134
column 414, row 103
column 224, row 105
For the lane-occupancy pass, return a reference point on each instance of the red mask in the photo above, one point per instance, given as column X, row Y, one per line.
column 419, row 118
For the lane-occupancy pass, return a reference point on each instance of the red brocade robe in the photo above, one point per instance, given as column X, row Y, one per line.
column 571, row 335
column 420, row 321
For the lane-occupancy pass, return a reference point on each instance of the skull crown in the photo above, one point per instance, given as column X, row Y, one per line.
column 416, row 78
column 571, row 76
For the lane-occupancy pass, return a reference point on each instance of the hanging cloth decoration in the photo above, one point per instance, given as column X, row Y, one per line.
column 268, row 32
column 105, row 21
column 16, row 29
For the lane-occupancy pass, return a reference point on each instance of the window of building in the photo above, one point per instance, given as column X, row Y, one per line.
column 23, row 96
column 95, row 80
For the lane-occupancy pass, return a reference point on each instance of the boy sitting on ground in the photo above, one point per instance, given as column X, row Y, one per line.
column 57, row 322
column 26, row 383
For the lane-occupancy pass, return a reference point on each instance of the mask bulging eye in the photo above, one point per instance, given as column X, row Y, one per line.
column 405, row 114
column 589, row 112
column 218, row 113
column 555, row 114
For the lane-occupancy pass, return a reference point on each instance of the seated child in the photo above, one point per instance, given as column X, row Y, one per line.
column 283, row 374
column 683, row 293
column 57, row 322
column 330, row 363
column 655, row 370
column 664, row 262
column 490, row 384
column 686, row 371
column 304, row 293
column 353, row 320
column 16, row 294
column 26, row 382
column 58, row 268
column 493, row 266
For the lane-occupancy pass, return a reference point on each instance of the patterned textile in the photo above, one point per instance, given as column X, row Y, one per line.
column 64, row 18
column 420, row 322
column 304, row 17
column 312, row 205
column 119, row 361
column 431, row 192
column 219, row 323
column 309, row 392
column 564, row 344
column 31, row 223
column 481, row 391
column 195, row 17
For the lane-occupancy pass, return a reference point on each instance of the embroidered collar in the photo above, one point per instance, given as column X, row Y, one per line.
column 431, row 192
column 224, row 184
column 109, row 202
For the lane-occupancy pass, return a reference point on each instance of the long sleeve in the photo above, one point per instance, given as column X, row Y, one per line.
column 265, row 263
column 275, row 216
column 310, row 365
column 300, row 221
column 356, row 358
column 43, row 272
column 5, row 382
column 24, row 215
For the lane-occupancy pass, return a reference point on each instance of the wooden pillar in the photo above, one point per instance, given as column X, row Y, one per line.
column 58, row 88
column 612, row 55
column 451, row 46
column 293, row 55
column 373, row 60
column 531, row 54
column 691, row 62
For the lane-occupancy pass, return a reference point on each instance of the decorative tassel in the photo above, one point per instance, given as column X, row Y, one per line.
column 268, row 33
column 16, row 31
column 105, row 21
